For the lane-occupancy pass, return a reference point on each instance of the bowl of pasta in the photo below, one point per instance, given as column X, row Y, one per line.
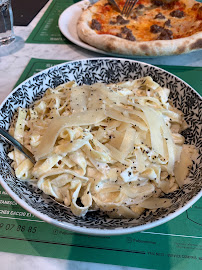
column 117, row 146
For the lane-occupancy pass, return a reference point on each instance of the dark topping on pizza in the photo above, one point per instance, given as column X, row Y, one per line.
column 119, row 20
column 167, row 23
column 159, row 16
column 177, row 13
column 140, row 6
column 133, row 16
column 119, row 35
column 169, row 5
column 126, row 33
column 166, row 4
column 166, row 34
column 125, row 30
column 130, row 37
column 96, row 25
column 158, row 3
column 155, row 28
column 140, row 9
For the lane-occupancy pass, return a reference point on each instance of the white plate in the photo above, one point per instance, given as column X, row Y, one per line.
column 68, row 26
column 68, row 22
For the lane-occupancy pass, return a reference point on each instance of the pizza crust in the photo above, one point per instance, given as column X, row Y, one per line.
column 114, row 44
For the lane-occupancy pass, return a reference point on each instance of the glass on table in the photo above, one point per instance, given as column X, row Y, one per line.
column 6, row 23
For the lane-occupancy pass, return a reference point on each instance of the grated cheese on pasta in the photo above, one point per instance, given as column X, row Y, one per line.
column 113, row 147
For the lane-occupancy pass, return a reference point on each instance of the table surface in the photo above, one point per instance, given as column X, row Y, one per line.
column 13, row 60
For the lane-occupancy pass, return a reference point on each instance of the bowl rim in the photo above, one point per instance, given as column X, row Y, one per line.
column 94, row 231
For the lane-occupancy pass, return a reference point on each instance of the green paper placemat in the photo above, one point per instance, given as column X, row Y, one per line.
column 47, row 30
column 175, row 245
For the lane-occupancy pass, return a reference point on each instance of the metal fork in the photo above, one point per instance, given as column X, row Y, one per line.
column 128, row 7
column 113, row 2
column 6, row 136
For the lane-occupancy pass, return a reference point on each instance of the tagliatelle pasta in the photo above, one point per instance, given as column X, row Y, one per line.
column 116, row 147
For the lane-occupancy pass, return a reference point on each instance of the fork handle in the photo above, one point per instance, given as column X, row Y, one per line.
column 7, row 137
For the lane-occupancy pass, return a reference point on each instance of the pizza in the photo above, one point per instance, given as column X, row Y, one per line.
column 155, row 27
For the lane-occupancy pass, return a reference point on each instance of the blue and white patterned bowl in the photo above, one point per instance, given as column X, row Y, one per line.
column 109, row 71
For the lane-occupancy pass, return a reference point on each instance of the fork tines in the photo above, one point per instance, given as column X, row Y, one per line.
column 128, row 7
